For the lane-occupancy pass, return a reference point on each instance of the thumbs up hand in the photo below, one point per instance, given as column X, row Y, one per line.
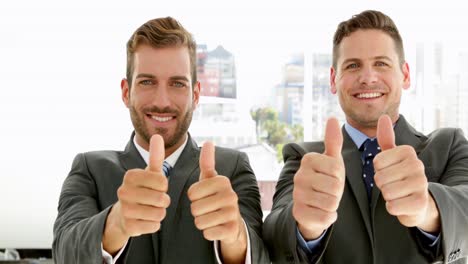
column 215, row 207
column 399, row 174
column 207, row 161
column 319, row 185
column 142, row 201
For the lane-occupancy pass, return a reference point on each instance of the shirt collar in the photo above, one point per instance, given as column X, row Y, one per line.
column 357, row 136
column 172, row 159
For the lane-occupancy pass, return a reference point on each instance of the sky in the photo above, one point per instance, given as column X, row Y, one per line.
column 61, row 65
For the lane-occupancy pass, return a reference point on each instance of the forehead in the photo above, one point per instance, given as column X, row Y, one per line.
column 162, row 62
column 367, row 44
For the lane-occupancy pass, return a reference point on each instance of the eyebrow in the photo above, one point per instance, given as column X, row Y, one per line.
column 179, row 78
column 145, row 75
column 382, row 58
column 173, row 78
column 358, row 60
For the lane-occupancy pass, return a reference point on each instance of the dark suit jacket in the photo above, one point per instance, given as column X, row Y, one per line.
column 90, row 190
column 368, row 234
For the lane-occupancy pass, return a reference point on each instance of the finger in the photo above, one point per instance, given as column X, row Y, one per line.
column 333, row 138
column 319, row 163
column 141, row 178
column 144, row 196
column 326, row 202
column 135, row 227
column 399, row 189
column 409, row 205
column 389, row 175
column 214, row 203
column 221, row 232
column 143, row 212
column 313, row 218
column 156, row 153
column 409, row 220
column 385, row 134
column 204, row 189
column 403, row 157
column 215, row 218
column 207, row 161
column 326, row 184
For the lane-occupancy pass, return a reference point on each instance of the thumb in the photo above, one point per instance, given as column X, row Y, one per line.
column 333, row 138
column 156, row 153
column 207, row 161
column 385, row 134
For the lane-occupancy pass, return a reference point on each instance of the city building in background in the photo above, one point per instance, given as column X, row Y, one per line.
column 223, row 122
column 218, row 116
column 290, row 91
column 216, row 72
column 320, row 104
column 439, row 89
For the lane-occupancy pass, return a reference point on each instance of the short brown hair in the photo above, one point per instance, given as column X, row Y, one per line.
column 162, row 33
column 369, row 19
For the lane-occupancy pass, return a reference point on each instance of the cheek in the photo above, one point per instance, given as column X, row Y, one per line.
column 395, row 86
column 185, row 100
column 142, row 97
column 343, row 86
column 344, row 81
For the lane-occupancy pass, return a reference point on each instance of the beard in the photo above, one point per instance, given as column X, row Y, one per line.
column 370, row 118
column 183, row 123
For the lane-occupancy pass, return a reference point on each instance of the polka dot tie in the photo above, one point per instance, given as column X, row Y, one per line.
column 166, row 168
column 369, row 149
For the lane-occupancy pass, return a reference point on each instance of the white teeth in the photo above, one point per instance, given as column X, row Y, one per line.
column 369, row 95
column 161, row 119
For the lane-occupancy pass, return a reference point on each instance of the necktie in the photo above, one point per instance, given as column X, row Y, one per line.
column 370, row 149
column 166, row 168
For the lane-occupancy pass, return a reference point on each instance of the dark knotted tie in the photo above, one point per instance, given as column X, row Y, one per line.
column 166, row 168
column 369, row 149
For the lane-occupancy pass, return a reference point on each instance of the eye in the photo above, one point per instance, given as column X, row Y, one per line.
column 352, row 66
column 146, row 82
column 178, row 84
column 380, row 63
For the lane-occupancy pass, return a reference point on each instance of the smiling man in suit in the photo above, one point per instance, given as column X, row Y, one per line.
column 161, row 200
column 377, row 190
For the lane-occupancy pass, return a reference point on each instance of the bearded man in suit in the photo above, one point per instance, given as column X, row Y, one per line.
column 161, row 200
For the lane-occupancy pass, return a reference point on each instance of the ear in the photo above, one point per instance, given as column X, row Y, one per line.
column 406, row 75
column 125, row 92
column 332, row 80
column 196, row 94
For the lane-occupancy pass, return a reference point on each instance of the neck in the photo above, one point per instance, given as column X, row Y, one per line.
column 368, row 128
column 167, row 150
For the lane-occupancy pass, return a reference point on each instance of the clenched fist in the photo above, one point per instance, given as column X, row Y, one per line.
column 216, row 210
column 142, row 203
column 399, row 175
column 319, row 185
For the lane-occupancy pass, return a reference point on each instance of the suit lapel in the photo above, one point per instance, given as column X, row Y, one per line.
column 353, row 165
column 185, row 168
column 131, row 158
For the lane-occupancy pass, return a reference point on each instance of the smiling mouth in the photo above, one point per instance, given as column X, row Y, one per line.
column 368, row 95
column 161, row 119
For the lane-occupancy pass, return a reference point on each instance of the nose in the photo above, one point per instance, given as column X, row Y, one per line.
column 368, row 76
column 161, row 96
